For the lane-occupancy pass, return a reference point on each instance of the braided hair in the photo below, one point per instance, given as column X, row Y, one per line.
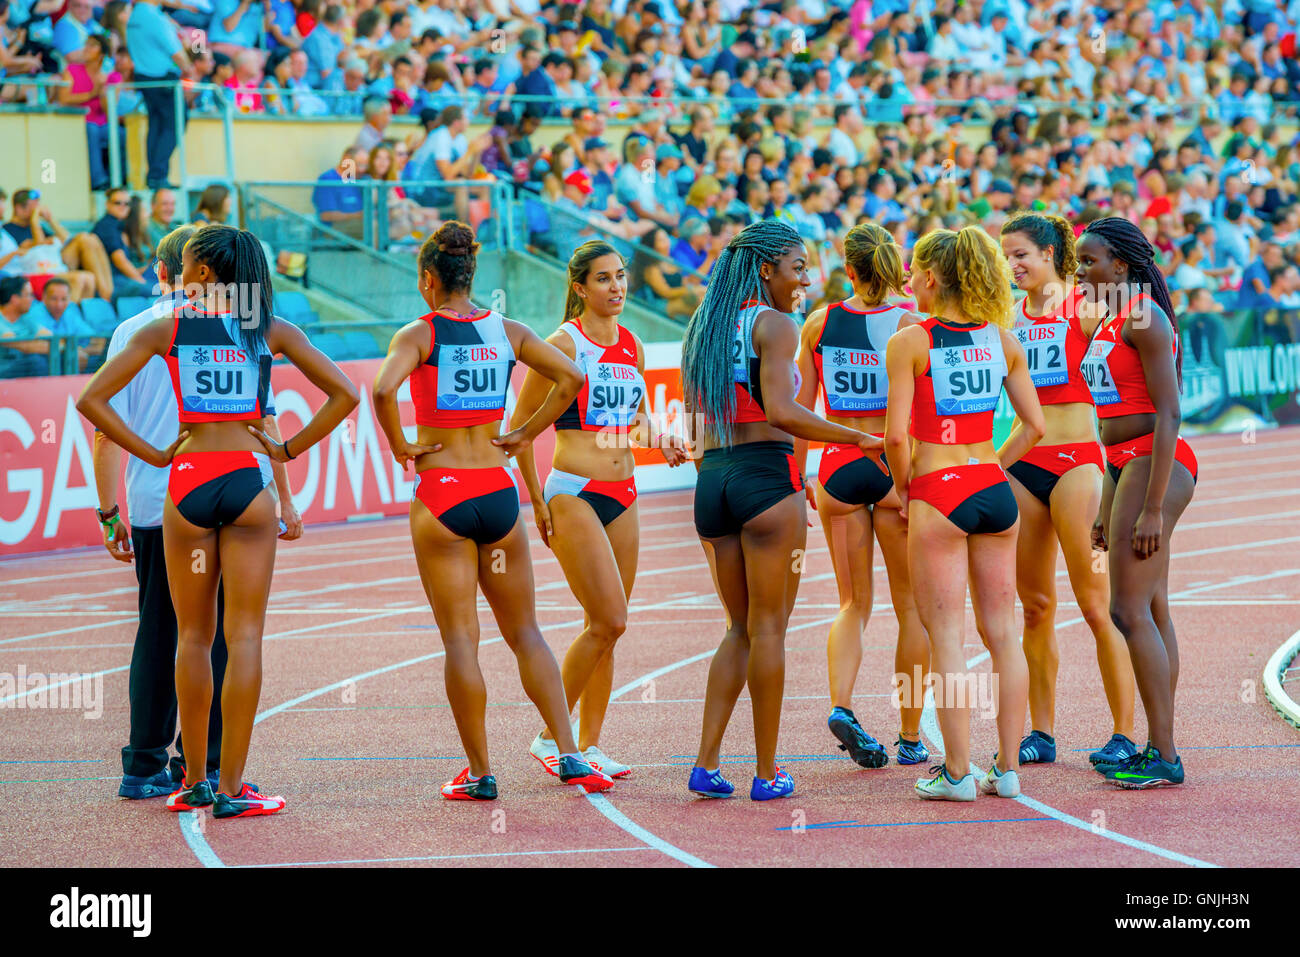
column 708, row 380
column 1127, row 244
column 236, row 258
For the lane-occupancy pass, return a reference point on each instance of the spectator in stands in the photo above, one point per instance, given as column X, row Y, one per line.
column 378, row 116
column 634, row 184
column 1236, row 240
column 678, row 293
column 324, row 45
column 158, row 56
column 112, row 232
column 337, row 197
column 693, row 249
column 1257, row 278
column 348, row 86
column 73, row 28
column 447, row 154
column 844, row 135
column 246, row 81
column 21, row 355
column 668, row 160
column 214, row 205
column 236, row 27
column 407, row 219
column 80, row 258
column 85, row 83
column 56, row 312
column 281, row 26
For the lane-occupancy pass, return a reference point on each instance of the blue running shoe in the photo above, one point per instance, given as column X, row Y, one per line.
column 709, row 784
column 1037, row 748
column 135, row 787
column 911, row 752
column 865, row 750
column 781, row 786
column 1113, row 753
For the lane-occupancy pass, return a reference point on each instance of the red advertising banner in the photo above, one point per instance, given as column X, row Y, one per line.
column 48, row 494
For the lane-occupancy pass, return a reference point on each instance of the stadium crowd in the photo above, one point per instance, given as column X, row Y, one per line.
column 686, row 121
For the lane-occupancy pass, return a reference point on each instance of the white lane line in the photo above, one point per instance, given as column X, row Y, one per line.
column 617, row 817
column 192, row 830
column 67, row 631
column 1064, row 818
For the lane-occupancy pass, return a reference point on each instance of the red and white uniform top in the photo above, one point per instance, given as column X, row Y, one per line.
column 850, row 358
column 961, row 384
column 466, row 378
column 746, row 365
column 1054, row 347
column 612, row 385
column 1113, row 369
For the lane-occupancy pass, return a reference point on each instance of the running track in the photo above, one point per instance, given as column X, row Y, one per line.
column 354, row 730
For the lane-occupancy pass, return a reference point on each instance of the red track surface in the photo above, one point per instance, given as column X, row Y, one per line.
column 359, row 756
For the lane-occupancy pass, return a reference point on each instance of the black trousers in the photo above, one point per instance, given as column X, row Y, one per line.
column 160, row 141
column 152, row 688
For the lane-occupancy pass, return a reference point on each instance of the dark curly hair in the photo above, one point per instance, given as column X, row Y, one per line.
column 451, row 253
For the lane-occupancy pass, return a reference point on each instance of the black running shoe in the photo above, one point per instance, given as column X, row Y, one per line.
column 191, row 798
column 575, row 771
column 461, row 788
column 249, row 803
column 865, row 750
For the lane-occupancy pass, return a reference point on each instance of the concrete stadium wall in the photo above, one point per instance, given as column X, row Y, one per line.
column 47, row 151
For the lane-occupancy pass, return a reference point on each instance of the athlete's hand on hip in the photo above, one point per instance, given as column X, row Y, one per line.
column 1098, row 535
column 117, row 539
column 410, row 451
column 292, row 521
column 902, row 503
column 164, row 457
column 542, row 516
column 513, row 442
column 273, row 448
column 810, row 494
column 1147, row 531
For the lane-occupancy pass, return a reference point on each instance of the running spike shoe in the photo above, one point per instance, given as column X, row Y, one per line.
column 1112, row 753
column 1005, row 784
column 865, row 750
column 709, row 784
column 248, row 803
column 190, row 798
column 941, row 787
column 911, row 752
column 603, row 763
column 781, row 786
column 1147, row 770
column 547, row 753
column 573, row 770
column 465, row 788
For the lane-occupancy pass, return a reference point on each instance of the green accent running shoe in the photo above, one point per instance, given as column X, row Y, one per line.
column 1146, row 770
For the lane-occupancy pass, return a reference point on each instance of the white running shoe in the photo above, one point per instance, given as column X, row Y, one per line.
column 1005, row 784
column 601, row 761
column 547, row 753
column 939, row 788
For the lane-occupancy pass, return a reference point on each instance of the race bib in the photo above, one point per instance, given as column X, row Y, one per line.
column 967, row 378
column 1096, row 372
column 1044, row 345
column 217, row 380
column 740, row 350
column 855, row 380
column 473, row 376
column 614, row 394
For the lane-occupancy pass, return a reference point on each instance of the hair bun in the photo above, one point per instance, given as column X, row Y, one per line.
column 455, row 247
